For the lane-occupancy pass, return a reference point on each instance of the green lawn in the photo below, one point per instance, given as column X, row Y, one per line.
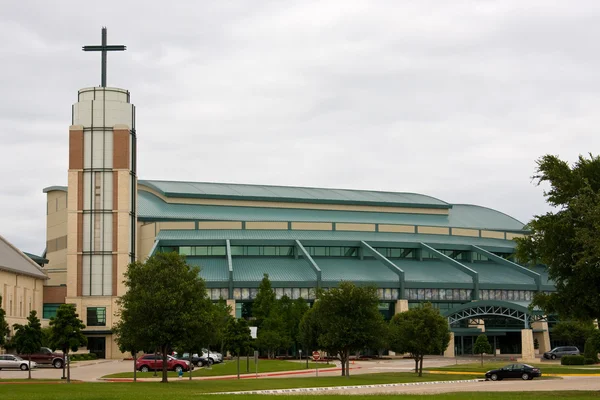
column 230, row 368
column 546, row 368
column 197, row 389
column 145, row 390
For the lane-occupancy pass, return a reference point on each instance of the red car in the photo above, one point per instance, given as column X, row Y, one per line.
column 150, row 362
column 45, row 357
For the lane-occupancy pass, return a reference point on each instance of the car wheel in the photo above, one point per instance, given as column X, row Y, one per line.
column 199, row 363
column 178, row 368
column 145, row 368
column 553, row 356
column 58, row 363
column 494, row 377
column 24, row 367
column 525, row 376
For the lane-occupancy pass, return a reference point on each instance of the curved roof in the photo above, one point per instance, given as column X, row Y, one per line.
column 151, row 207
column 292, row 194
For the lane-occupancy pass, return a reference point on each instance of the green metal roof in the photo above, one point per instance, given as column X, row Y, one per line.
column 212, row 269
column 431, row 271
column 37, row 259
column 493, row 273
column 540, row 269
column 355, row 270
column 151, row 207
column 377, row 239
column 53, row 188
column 291, row 194
column 280, row 269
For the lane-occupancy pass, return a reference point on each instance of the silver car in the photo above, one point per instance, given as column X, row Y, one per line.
column 9, row 361
column 560, row 351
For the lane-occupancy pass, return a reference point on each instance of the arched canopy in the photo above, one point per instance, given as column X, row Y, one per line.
column 486, row 308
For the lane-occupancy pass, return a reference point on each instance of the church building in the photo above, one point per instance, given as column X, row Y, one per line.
column 412, row 247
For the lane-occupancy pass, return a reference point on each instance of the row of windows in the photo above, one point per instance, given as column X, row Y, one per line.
column 332, row 251
column 321, row 251
column 439, row 294
column 96, row 316
column 514, row 295
column 292, row 293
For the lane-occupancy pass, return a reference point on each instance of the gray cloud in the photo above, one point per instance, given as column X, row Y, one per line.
column 451, row 99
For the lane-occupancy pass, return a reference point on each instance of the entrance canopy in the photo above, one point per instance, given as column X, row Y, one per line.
column 496, row 308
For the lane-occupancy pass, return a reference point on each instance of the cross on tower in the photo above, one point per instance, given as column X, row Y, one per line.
column 104, row 48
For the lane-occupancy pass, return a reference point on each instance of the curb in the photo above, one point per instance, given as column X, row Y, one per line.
column 332, row 388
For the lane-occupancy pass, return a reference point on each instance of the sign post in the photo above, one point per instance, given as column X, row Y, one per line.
column 256, row 362
column 316, row 357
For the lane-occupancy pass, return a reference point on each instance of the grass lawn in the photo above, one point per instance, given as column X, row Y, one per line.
column 145, row 390
column 546, row 368
column 230, row 368
column 197, row 389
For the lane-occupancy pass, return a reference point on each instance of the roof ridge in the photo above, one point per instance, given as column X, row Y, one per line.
column 29, row 260
column 489, row 208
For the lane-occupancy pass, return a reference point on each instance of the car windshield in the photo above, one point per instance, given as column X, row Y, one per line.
column 18, row 358
column 527, row 366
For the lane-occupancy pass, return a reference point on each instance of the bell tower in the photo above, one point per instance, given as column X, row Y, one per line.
column 102, row 202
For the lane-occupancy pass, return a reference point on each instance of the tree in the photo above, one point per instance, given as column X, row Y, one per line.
column 298, row 308
column 4, row 327
column 347, row 319
column 220, row 319
column 129, row 340
column 566, row 239
column 573, row 332
column 482, row 345
column 237, row 339
column 308, row 332
column 164, row 298
column 419, row 331
column 28, row 338
column 198, row 330
column 264, row 301
column 66, row 332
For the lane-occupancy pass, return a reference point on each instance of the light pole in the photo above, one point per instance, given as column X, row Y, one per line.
column 300, row 352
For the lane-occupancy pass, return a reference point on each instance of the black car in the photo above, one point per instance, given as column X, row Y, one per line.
column 523, row 371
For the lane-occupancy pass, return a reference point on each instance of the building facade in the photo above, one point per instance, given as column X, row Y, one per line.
column 413, row 248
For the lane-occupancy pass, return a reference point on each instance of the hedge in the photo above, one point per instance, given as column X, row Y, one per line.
column 83, row 356
column 572, row 360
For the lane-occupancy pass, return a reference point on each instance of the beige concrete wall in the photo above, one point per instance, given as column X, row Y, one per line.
column 220, row 225
column 20, row 295
column 309, row 206
column 492, row 234
column 449, row 352
column 72, row 232
column 146, row 237
column 397, row 228
column 267, row 225
column 542, row 337
column 175, row 225
column 401, row 306
column 465, row 232
column 56, row 228
column 312, row 226
column 527, row 352
column 433, row 230
column 231, row 303
column 355, row 227
column 511, row 236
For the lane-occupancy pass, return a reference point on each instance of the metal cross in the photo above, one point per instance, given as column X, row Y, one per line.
column 104, row 48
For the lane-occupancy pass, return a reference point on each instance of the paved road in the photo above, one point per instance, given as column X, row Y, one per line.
column 82, row 370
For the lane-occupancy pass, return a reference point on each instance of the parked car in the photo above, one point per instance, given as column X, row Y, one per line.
column 150, row 362
column 560, row 351
column 212, row 355
column 523, row 371
column 10, row 361
column 196, row 359
column 46, row 357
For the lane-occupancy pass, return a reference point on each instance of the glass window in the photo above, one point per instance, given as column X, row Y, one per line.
column 237, row 250
column 185, row 250
column 218, row 250
column 335, row 251
column 96, row 316
column 201, row 250
column 50, row 310
column 253, row 250
column 270, row 251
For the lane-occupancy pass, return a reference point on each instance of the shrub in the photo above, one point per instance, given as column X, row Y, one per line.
column 590, row 350
column 572, row 360
column 536, row 344
column 589, row 361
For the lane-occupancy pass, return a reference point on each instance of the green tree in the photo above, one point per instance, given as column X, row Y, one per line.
column 419, row 331
column 66, row 333
column 237, row 339
column 4, row 327
column 130, row 340
column 566, row 239
column 220, row 319
column 297, row 310
column 198, row 330
column 164, row 298
column 347, row 319
column 482, row 345
column 28, row 338
column 590, row 351
column 308, row 332
column 264, row 302
column 573, row 332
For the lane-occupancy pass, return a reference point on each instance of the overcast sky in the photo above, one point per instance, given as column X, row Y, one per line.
column 454, row 99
